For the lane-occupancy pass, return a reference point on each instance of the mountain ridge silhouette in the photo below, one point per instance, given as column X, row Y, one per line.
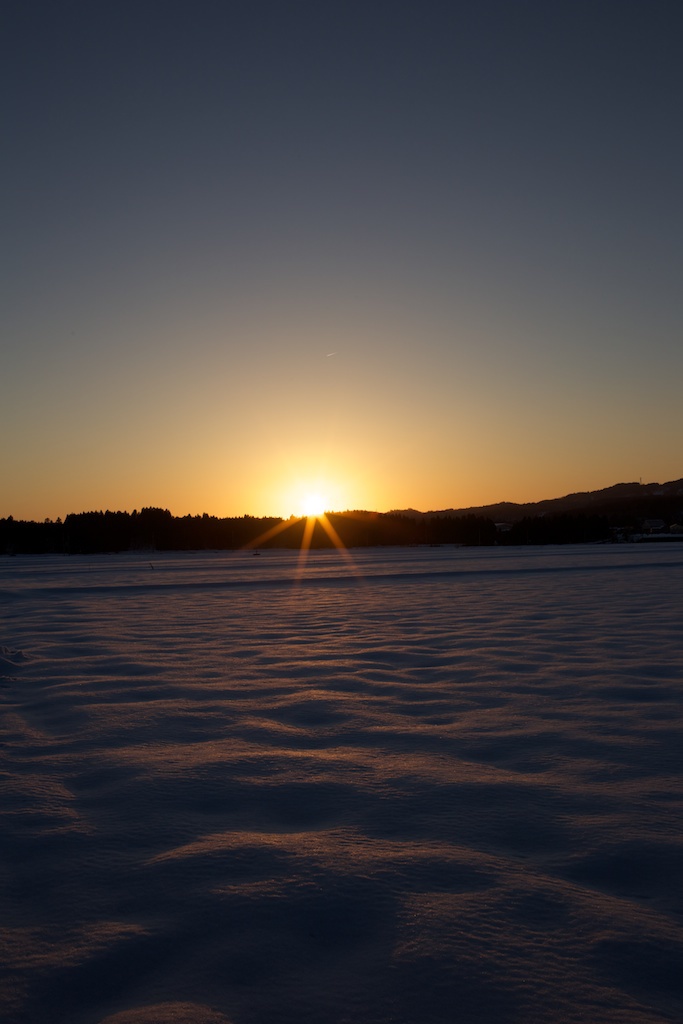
column 605, row 501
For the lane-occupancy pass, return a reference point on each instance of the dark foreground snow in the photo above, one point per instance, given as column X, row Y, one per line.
column 427, row 786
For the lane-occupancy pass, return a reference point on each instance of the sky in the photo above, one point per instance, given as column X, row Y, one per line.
column 393, row 254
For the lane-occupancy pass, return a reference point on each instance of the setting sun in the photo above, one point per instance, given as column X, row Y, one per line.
column 308, row 495
column 313, row 505
column 294, row 486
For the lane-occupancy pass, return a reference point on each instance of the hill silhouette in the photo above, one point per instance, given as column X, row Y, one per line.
column 629, row 501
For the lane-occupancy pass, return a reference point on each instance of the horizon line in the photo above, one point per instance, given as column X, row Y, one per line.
column 339, row 512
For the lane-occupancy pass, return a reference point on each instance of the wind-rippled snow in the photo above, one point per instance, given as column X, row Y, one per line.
column 383, row 787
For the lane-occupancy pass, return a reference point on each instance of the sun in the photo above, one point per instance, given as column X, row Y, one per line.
column 310, row 496
column 313, row 505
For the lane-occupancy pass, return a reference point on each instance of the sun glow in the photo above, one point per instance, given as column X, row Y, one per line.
column 313, row 505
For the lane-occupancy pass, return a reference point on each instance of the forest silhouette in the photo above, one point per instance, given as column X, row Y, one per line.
column 156, row 529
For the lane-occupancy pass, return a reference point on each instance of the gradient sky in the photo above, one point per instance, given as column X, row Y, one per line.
column 398, row 253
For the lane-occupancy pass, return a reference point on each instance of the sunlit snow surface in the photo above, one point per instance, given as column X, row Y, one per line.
column 423, row 785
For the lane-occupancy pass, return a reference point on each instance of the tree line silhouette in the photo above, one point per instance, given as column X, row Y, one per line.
column 156, row 529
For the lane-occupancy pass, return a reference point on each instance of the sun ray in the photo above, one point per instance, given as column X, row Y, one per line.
column 305, row 545
column 332, row 533
column 268, row 534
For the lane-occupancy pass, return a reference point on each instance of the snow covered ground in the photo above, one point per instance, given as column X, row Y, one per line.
column 408, row 786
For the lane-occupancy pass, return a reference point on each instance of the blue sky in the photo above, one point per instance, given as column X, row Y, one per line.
column 395, row 253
